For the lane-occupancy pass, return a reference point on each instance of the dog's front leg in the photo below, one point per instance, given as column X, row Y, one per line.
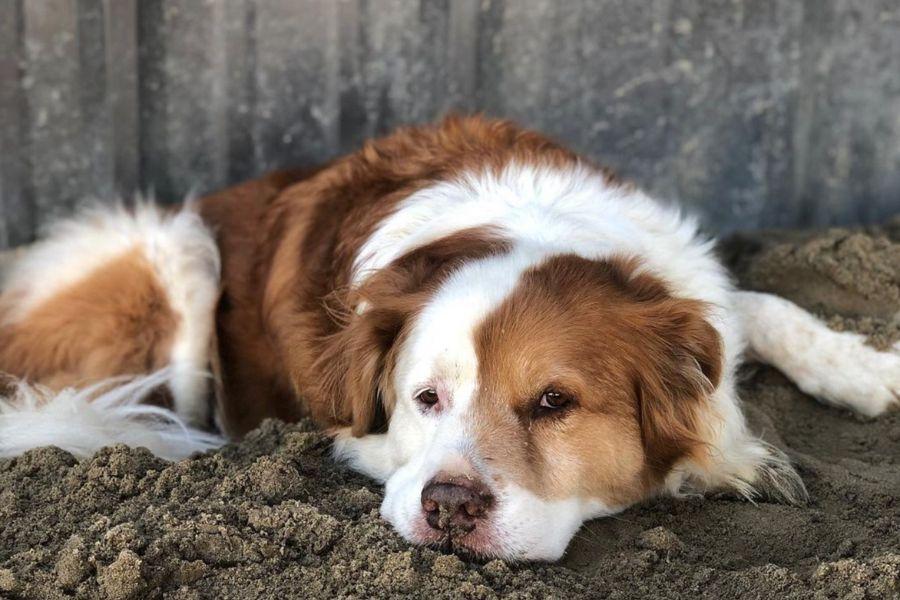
column 835, row 367
column 370, row 454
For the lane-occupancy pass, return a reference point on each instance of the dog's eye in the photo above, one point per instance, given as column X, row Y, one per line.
column 554, row 400
column 428, row 397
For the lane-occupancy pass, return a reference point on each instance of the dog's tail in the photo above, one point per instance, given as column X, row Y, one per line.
column 82, row 421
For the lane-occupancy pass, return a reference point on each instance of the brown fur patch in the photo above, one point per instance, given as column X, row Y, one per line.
column 637, row 362
column 252, row 382
column 114, row 321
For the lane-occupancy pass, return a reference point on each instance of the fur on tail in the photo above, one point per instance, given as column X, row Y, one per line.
column 82, row 421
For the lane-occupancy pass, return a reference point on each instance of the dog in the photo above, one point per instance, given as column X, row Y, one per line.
column 506, row 335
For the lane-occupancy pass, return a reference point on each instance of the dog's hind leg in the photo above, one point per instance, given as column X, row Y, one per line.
column 115, row 292
column 838, row 368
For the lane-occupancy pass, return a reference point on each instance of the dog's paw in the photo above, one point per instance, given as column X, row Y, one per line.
column 370, row 454
column 859, row 377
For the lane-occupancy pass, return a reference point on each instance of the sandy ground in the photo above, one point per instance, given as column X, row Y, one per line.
column 273, row 517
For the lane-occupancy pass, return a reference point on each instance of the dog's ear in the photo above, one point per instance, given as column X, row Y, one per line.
column 370, row 339
column 355, row 363
column 679, row 367
column 358, row 360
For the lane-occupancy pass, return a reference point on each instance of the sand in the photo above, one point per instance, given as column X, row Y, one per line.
column 273, row 517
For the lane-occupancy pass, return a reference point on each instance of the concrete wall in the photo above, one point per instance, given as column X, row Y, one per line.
column 754, row 113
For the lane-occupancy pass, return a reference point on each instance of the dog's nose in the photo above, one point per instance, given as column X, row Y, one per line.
column 455, row 503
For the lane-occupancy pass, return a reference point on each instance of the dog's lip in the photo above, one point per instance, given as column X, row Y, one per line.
column 479, row 544
column 449, row 544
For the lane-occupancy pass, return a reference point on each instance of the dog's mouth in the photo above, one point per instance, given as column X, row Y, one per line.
column 451, row 543
column 477, row 544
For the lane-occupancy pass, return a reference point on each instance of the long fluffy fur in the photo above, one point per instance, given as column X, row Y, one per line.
column 82, row 421
column 184, row 257
column 753, row 469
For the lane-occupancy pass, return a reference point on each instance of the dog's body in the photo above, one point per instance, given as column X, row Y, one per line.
column 508, row 337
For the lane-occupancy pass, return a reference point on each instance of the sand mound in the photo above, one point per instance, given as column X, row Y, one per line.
column 273, row 517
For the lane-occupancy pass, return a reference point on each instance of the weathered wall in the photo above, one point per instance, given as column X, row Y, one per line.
column 754, row 112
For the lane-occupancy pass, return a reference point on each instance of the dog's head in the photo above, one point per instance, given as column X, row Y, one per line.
column 522, row 394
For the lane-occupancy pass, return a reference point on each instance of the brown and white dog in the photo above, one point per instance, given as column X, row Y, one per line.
column 509, row 338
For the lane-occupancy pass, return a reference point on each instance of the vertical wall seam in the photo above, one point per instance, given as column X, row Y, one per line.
column 803, row 117
column 16, row 205
column 123, row 80
column 218, row 98
column 462, row 53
